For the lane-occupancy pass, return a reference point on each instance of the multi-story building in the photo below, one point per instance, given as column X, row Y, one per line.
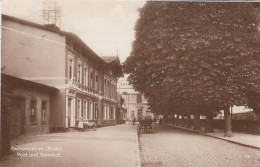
column 134, row 102
column 44, row 54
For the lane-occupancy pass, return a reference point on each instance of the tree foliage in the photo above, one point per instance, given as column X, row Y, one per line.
column 195, row 54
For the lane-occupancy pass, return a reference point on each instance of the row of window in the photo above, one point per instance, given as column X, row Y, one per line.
column 109, row 88
column 90, row 76
column 109, row 112
column 132, row 98
column 88, row 79
column 34, row 112
column 123, row 84
column 87, row 109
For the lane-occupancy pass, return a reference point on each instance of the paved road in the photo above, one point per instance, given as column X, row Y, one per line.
column 113, row 146
column 168, row 146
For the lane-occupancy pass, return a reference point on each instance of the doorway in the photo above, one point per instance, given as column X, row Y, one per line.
column 17, row 118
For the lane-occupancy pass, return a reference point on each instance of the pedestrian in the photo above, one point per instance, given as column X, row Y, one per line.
column 134, row 120
column 80, row 124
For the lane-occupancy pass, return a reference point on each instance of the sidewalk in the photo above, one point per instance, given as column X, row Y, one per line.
column 239, row 138
column 112, row 146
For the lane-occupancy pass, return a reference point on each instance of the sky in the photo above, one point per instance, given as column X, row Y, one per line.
column 106, row 26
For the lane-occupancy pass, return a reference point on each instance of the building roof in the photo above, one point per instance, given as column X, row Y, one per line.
column 115, row 63
column 26, row 84
column 109, row 59
column 21, row 21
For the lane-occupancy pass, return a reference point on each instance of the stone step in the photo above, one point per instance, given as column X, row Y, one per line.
column 71, row 129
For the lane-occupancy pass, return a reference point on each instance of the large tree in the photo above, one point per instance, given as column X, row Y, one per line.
column 189, row 53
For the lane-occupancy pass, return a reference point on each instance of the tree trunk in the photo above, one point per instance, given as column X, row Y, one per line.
column 172, row 119
column 182, row 121
column 177, row 120
column 228, row 127
column 209, row 121
column 197, row 121
column 188, row 124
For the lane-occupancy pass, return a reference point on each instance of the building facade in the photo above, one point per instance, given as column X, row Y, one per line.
column 30, row 102
column 134, row 102
column 44, row 54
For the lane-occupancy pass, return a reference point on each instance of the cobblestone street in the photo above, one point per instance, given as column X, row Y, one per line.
column 116, row 146
column 168, row 146
column 113, row 146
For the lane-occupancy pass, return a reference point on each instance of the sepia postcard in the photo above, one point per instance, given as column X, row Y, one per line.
column 130, row 83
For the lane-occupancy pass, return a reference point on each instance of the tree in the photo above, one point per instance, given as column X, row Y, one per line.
column 198, row 54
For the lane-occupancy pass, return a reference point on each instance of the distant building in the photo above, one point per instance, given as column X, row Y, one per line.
column 240, row 113
column 86, row 83
column 134, row 102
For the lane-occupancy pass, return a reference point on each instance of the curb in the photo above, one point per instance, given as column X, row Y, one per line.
column 138, row 159
column 205, row 134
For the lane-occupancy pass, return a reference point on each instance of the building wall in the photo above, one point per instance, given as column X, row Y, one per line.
column 30, row 127
column 33, row 53
column 58, row 109
column 94, row 91
column 88, row 106
column 91, row 110
column 94, row 66
column 134, row 108
column 111, row 118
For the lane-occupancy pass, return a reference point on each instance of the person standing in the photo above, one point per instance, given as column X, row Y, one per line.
column 81, row 124
column 134, row 120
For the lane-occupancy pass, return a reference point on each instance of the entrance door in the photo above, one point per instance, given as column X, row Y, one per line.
column 69, row 111
column 79, row 111
column 91, row 110
column 17, row 117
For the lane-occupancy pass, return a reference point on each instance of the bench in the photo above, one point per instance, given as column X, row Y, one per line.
column 145, row 124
